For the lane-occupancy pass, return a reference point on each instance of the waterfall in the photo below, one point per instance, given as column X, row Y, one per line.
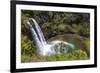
column 39, row 32
column 38, row 36
column 44, row 47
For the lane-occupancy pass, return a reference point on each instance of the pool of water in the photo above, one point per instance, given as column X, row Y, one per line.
column 77, row 41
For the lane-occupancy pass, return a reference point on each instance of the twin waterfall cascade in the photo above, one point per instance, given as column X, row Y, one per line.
column 44, row 47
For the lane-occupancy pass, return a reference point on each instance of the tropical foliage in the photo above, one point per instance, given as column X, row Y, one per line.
column 52, row 25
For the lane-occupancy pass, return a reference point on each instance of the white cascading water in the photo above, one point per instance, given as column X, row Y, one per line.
column 44, row 47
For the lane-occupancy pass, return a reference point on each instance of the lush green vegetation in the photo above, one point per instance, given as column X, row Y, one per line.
column 75, row 55
column 70, row 27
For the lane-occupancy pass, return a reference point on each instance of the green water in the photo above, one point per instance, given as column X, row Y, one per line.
column 73, row 39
